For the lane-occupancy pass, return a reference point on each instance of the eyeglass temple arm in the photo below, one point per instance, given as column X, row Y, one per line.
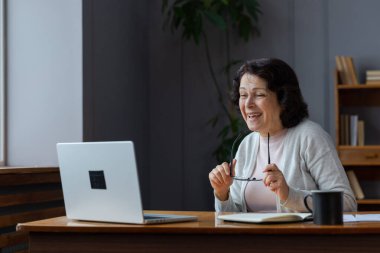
column 268, row 150
column 232, row 152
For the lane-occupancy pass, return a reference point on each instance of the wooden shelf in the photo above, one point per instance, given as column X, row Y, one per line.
column 364, row 160
column 366, row 147
column 368, row 201
column 358, row 95
column 368, row 204
column 359, row 155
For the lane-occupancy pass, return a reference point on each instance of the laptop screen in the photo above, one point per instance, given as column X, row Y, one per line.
column 100, row 181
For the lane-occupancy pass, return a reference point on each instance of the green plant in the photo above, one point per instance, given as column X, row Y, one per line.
column 239, row 16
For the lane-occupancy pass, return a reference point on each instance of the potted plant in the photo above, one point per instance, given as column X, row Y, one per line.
column 229, row 16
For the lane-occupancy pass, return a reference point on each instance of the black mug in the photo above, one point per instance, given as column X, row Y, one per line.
column 327, row 207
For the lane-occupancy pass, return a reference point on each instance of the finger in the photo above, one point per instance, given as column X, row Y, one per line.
column 267, row 180
column 273, row 186
column 226, row 168
column 212, row 177
column 215, row 182
column 223, row 171
column 270, row 178
column 270, row 167
column 267, row 172
column 217, row 175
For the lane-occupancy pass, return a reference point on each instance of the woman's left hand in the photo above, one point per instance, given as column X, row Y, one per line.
column 275, row 181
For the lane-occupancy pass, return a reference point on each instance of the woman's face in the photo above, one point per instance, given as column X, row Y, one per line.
column 259, row 105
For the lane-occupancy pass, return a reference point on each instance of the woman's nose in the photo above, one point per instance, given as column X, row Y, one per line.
column 250, row 101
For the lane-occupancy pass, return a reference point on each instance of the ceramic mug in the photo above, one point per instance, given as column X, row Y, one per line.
column 327, row 207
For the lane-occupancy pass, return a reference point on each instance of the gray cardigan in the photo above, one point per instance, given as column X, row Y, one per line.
column 310, row 162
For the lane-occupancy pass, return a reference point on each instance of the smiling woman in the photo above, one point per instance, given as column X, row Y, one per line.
column 291, row 154
column 2, row 81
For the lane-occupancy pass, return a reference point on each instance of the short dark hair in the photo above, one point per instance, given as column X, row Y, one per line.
column 282, row 80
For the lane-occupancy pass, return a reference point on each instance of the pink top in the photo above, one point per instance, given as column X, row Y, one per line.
column 257, row 196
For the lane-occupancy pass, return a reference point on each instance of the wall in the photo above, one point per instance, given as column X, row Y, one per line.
column 116, row 77
column 44, row 79
column 2, row 83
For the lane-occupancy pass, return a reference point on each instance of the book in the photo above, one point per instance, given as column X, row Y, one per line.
column 346, row 70
column 361, row 133
column 342, row 67
column 266, row 217
column 341, row 130
column 355, row 186
column 339, row 67
column 373, row 72
column 353, row 130
column 346, row 129
column 377, row 82
column 373, row 77
column 352, row 70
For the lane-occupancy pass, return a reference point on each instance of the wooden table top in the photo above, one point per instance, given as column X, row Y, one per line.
column 207, row 224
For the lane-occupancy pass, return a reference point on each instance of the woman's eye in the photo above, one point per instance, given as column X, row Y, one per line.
column 243, row 95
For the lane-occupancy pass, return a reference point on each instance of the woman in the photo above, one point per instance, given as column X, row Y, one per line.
column 286, row 156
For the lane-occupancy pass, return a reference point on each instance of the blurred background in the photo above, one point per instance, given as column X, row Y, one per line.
column 102, row 70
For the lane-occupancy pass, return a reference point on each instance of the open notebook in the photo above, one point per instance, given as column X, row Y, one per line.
column 266, row 217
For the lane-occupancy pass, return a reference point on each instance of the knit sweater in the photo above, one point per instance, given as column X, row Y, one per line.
column 310, row 162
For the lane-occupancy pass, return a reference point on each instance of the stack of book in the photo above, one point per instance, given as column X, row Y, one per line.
column 351, row 130
column 373, row 76
column 346, row 70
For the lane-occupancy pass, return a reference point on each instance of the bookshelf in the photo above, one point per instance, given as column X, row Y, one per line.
column 363, row 160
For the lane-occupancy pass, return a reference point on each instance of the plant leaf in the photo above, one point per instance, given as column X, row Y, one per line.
column 215, row 19
column 245, row 27
column 224, row 132
column 225, row 2
column 253, row 8
column 207, row 3
column 197, row 28
column 164, row 5
column 213, row 121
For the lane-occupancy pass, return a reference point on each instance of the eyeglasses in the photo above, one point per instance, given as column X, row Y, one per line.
column 232, row 156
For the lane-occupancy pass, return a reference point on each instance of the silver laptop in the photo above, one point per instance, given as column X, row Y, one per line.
column 100, row 183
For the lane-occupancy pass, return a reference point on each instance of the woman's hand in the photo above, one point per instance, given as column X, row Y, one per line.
column 275, row 181
column 221, row 180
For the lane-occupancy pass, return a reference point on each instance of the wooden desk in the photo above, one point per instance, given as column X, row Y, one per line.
column 206, row 235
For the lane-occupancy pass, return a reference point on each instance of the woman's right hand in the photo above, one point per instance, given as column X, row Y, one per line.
column 221, row 180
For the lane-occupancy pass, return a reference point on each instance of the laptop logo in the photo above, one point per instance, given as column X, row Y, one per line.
column 97, row 179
